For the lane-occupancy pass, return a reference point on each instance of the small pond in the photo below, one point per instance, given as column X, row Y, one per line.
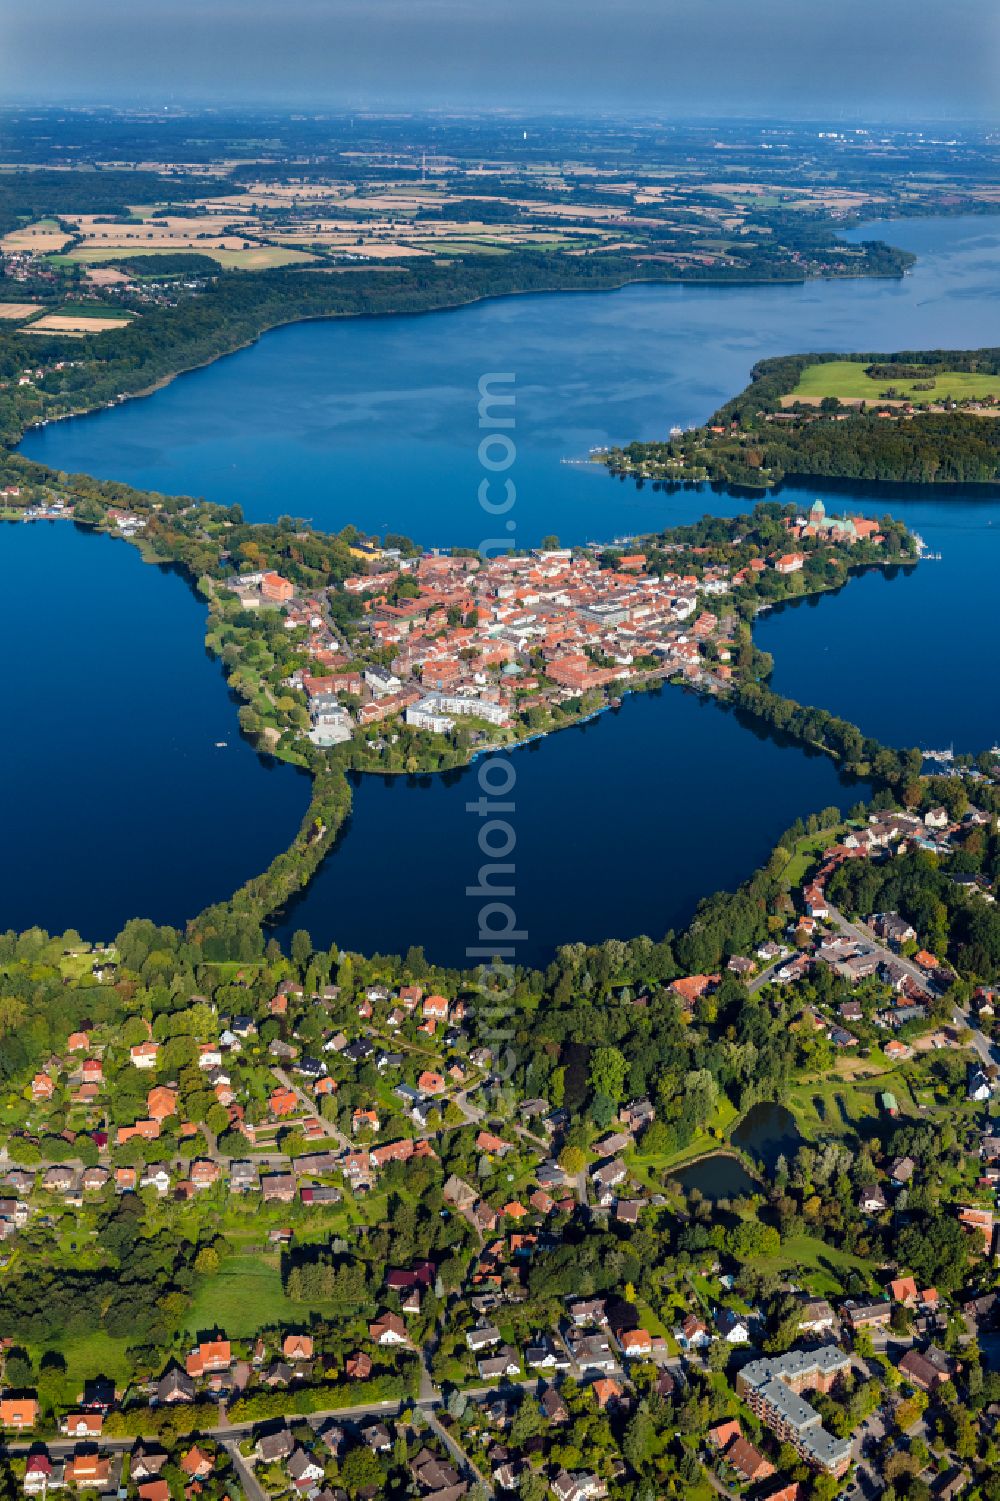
column 718, row 1176
column 768, row 1131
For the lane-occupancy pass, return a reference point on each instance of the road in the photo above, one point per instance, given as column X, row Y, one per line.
column 230, row 1435
column 251, row 1486
column 458, row 1454
column 766, row 976
column 862, row 934
column 988, row 1053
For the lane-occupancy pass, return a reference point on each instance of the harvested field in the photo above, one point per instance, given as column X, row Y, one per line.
column 257, row 257
column 10, row 311
column 42, row 238
column 74, row 323
column 106, row 276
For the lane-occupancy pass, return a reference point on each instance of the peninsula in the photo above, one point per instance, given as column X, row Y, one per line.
column 921, row 417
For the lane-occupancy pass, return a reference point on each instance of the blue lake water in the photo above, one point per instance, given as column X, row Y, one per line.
column 374, row 421
column 621, row 825
column 901, row 652
column 904, row 654
column 116, row 801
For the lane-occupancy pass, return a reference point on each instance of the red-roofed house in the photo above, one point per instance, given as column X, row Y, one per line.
column 790, row 563
column 435, row 1008
column 635, row 1342
column 161, row 1102
column 211, row 1355
column 692, row 987
column 297, row 1347
column 276, row 589
column 722, row 1436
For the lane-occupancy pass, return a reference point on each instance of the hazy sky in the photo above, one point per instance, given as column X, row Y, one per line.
column 880, row 59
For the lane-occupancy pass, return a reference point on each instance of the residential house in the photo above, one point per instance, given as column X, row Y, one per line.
column 274, row 1446
column 19, row 1413
column 209, row 1356
column 636, row 1344
column 872, row 1200
column 505, row 1362
column 82, row 1424
column 733, row 1327
column 174, row 1386
column 926, row 1369
column 872, row 1315
column 482, row 1338
column 297, row 1347
column 389, row 1329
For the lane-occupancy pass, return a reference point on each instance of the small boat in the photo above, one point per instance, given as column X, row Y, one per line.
column 221, row 744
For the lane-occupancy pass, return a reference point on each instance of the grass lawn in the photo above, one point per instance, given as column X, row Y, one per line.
column 467, row 247
column 89, row 1355
column 648, row 1319
column 244, row 1295
column 225, row 970
column 76, row 966
column 92, row 310
column 805, row 852
column 833, row 1105
column 711, row 1137
column 847, row 380
column 822, row 1266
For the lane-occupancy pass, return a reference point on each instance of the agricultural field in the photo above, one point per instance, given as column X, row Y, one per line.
column 74, row 323
column 257, row 257
column 231, row 255
column 10, row 312
column 41, row 238
column 847, row 380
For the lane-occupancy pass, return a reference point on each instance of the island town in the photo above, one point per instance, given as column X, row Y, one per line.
column 416, row 660
column 514, row 643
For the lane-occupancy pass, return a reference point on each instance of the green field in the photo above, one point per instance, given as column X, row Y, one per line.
column 244, row 1295
column 823, row 1268
column 847, row 380
column 86, row 1355
column 91, row 310
column 260, row 258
